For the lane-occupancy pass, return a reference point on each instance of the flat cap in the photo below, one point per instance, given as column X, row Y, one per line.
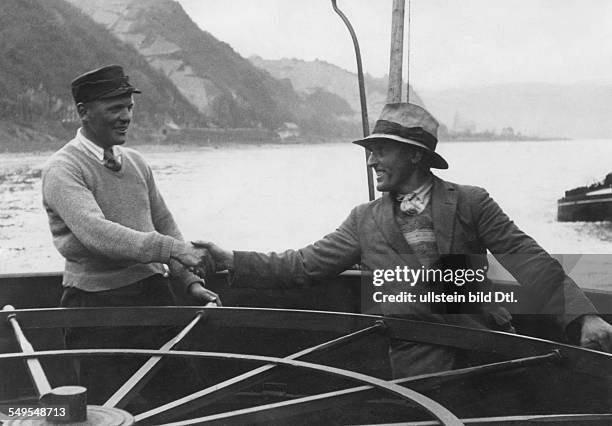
column 101, row 83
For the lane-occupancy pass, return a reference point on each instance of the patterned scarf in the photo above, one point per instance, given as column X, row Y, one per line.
column 415, row 202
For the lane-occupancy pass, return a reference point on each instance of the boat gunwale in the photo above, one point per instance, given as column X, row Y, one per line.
column 594, row 363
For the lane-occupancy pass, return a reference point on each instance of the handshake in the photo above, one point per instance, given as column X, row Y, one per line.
column 203, row 257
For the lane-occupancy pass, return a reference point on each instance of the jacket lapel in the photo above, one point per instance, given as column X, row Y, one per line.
column 444, row 207
column 385, row 220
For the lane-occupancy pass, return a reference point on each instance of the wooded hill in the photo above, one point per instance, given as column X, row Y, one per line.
column 189, row 79
column 44, row 44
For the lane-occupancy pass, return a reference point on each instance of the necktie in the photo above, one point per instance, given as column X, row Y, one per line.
column 110, row 161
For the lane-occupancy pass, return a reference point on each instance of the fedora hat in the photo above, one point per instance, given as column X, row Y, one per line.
column 411, row 124
column 101, row 83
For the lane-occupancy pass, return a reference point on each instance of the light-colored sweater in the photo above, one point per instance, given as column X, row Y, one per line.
column 112, row 227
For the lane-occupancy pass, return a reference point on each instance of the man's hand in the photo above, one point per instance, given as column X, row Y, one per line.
column 203, row 295
column 197, row 259
column 223, row 259
column 596, row 334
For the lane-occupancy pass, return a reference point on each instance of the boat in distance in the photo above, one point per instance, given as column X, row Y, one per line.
column 591, row 203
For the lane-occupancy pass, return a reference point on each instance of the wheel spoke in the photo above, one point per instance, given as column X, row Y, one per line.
column 313, row 403
column 577, row 361
column 213, row 393
column 432, row 407
column 39, row 378
column 140, row 378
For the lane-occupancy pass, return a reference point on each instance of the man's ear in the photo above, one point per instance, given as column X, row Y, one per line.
column 82, row 110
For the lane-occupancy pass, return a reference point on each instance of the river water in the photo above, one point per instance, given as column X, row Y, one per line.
column 273, row 197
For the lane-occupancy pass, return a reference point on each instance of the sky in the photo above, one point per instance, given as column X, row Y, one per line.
column 451, row 43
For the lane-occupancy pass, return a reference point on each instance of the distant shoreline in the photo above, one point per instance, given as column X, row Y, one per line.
column 500, row 139
column 51, row 146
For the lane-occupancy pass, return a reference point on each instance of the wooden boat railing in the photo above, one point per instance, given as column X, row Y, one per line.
column 339, row 294
column 523, row 353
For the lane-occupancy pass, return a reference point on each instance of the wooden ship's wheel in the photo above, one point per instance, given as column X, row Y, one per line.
column 332, row 369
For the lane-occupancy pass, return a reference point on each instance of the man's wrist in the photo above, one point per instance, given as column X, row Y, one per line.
column 178, row 248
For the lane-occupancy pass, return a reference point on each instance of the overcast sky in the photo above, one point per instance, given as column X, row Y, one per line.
column 453, row 43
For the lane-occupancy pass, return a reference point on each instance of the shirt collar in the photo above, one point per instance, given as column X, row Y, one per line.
column 97, row 151
column 421, row 193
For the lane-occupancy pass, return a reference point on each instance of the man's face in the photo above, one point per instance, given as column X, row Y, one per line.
column 393, row 164
column 106, row 121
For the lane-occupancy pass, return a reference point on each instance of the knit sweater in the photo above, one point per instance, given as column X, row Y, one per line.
column 418, row 230
column 112, row 227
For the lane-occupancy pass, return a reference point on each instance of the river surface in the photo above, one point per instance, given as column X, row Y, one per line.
column 273, row 197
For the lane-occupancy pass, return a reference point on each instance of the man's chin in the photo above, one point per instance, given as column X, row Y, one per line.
column 120, row 141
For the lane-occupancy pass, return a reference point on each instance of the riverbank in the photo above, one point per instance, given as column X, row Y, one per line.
column 15, row 137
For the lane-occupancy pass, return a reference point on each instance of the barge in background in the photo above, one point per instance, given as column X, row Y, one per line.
column 587, row 203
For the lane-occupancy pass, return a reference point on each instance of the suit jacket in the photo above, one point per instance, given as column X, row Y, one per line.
column 466, row 222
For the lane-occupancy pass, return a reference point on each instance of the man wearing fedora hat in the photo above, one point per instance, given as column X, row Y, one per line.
column 109, row 221
column 423, row 223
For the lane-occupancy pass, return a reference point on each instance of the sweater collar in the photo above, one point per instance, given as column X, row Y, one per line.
column 88, row 146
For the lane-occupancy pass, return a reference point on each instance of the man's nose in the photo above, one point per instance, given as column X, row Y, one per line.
column 126, row 114
column 372, row 159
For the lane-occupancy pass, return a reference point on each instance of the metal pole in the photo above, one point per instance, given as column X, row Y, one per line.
column 362, row 95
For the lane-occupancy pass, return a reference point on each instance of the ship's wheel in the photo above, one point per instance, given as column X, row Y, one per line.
column 331, row 371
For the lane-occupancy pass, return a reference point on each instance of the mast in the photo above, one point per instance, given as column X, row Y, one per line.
column 394, row 92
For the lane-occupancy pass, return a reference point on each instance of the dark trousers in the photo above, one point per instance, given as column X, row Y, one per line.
column 103, row 375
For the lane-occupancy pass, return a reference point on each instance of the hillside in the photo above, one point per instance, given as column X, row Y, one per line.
column 539, row 109
column 220, row 83
column 309, row 76
column 528, row 109
column 44, row 44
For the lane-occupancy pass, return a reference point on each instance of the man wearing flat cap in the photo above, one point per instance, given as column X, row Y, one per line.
column 111, row 224
column 424, row 223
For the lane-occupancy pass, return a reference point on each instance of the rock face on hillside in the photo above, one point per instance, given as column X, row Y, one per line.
column 189, row 79
column 47, row 43
column 309, row 76
column 220, row 83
